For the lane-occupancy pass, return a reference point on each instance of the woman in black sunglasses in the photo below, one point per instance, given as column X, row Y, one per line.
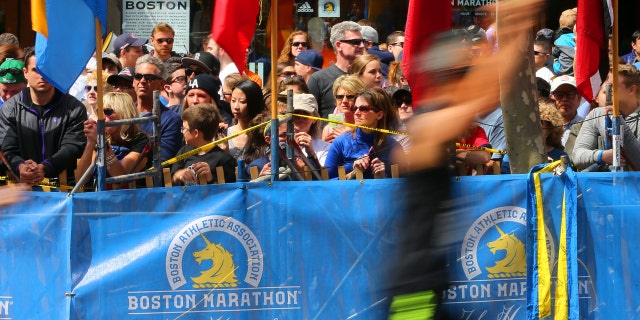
column 127, row 150
column 297, row 42
column 368, row 148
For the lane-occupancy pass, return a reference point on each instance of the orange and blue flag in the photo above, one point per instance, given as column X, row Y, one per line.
column 66, row 37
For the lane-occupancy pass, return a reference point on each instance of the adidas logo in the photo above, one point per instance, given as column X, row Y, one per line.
column 305, row 7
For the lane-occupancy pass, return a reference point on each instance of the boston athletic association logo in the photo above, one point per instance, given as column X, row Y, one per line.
column 194, row 258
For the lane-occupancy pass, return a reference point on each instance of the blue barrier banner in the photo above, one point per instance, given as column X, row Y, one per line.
column 303, row 250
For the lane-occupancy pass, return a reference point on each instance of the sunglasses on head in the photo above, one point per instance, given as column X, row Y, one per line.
column 189, row 72
column 89, row 88
column 303, row 43
column 148, row 77
column 167, row 40
column 108, row 112
column 353, row 42
column 363, row 109
column 13, row 71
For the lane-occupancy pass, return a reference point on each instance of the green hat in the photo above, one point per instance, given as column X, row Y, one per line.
column 11, row 72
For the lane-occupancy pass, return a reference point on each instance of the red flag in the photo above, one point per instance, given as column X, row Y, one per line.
column 424, row 19
column 233, row 25
column 591, row 61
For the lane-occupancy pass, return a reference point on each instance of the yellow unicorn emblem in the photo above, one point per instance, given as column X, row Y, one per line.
column 515, row 262
column 328, row 6
column 222, row 273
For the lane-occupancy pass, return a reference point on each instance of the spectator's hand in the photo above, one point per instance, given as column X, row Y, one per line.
column 91, row 130
column 203, row 169
column 304, row 140
column 362, row 163
column 377, row 167
column 607, row 157
column 266, row 170
column 31, row 172
column 186, row 176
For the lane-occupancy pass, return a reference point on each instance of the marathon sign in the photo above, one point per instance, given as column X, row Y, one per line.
column 139, row 17
column 156, row 5
column 301, row 250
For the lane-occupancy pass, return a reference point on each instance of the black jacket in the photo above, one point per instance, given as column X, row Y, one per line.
column 52, row 134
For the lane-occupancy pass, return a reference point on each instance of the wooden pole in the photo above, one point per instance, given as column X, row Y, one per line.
column 101, row 154
column 616, row 137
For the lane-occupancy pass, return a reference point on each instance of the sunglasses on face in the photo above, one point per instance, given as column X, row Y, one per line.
column 363, row 109
column 398, row 44
column 189, row 72
column 167, row 40
column 122, row 86
column 179, row 79
column 537, row 53
column 12, row 71
column 108, row 112
column 89, row 88
column 287, row 74
column 568, row 95
column 304, row 44
column 349, row 97
column 400, row 101
column 353, row 42
column 148, row 77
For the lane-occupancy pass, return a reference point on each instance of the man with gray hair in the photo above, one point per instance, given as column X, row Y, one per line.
column 149, row 77
column 346, row 39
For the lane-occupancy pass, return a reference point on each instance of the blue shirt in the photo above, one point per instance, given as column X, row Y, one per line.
column 346, row 148
column 170, row 135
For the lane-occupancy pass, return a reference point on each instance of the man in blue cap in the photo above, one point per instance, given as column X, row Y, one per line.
column 12, row 79
column 128, row 48
column 307, row 62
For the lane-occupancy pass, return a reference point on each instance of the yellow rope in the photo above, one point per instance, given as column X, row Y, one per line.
column 468, row 146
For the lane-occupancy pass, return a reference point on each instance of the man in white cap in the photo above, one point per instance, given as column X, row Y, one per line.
column 128, row 48
column 567, row 99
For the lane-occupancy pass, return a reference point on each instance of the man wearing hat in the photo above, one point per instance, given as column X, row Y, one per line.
column 202, row 62
column 123, row 82
column 128, row 48
column 567, row 99
column 12, row 79
column 307, row 62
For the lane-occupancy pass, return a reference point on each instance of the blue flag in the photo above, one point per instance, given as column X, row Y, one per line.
column 62, row 56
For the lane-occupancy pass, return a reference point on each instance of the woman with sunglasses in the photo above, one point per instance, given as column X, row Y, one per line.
column 297, row 42
column 345, row 90
column 365, row 148
column 369, row 69
column 91, row 93
column 126, row 150
column 246, row 103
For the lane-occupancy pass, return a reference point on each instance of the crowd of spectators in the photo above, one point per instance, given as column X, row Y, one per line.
column 364, row 98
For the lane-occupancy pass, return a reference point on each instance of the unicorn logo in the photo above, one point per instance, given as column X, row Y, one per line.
column 222, row 272
column 515, row 262
column 328, row 7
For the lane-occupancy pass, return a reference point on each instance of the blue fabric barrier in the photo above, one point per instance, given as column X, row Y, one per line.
column 303, row 250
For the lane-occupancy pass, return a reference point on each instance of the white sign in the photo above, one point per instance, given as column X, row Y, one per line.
column 329, row 8
column 139, row 17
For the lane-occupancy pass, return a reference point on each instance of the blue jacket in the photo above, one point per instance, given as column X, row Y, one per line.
column 346, row 148
column 630, row 58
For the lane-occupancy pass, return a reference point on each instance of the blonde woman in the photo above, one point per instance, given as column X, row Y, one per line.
column 125, row 152
column 345, row 91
